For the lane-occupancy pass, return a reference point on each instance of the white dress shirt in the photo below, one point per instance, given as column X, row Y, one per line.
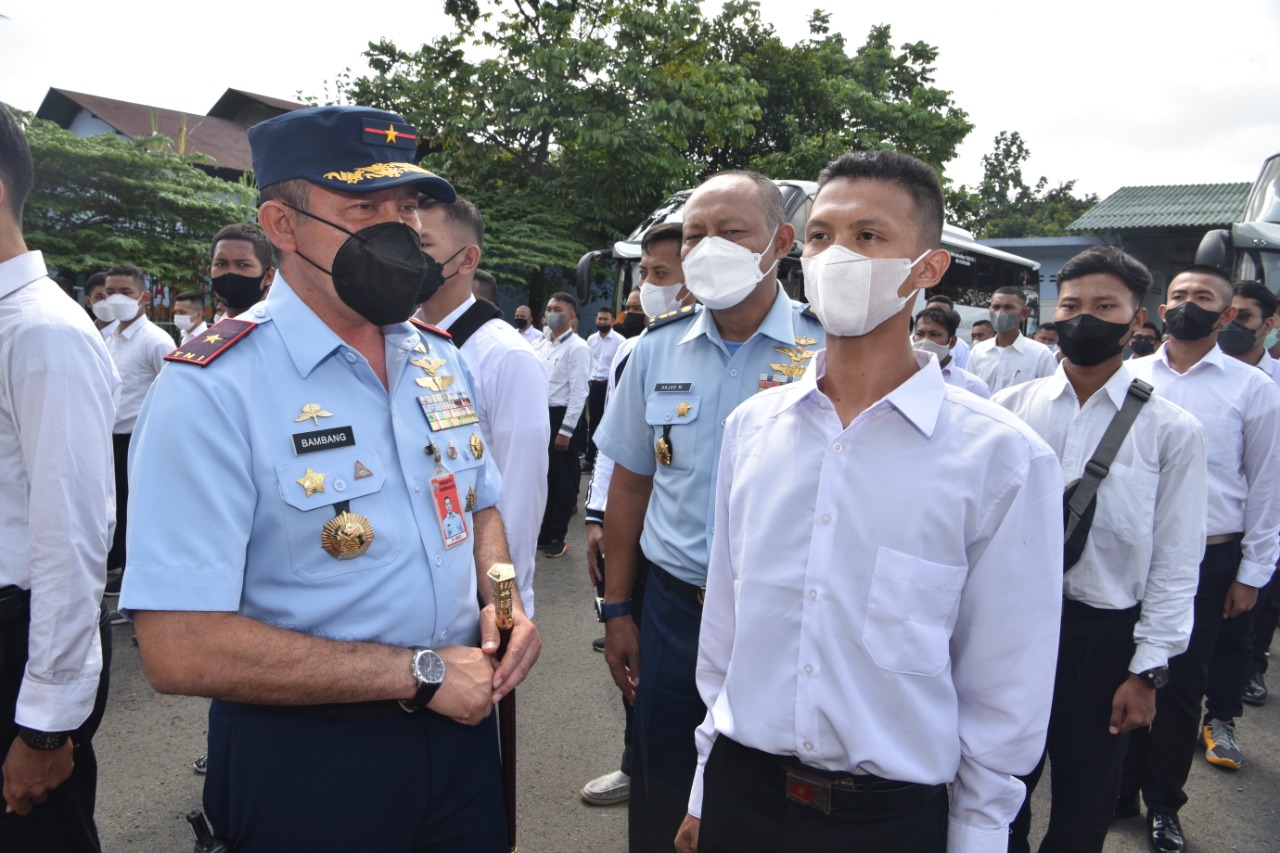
column 106, row 330
column 1239, row 407
column 511, row 396
column 1147, row 538
column 1269, row 366
column 952, row 374
column 199, row 329
column 1001, row 367
column 960, row 353
column 603, row 349
column 138, row 351
column 602, row 474
column 568, row 363
column 861, row 626
column 530, row 334
column 57, row 498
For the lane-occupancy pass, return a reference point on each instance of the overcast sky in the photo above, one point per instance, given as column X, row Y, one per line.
column 1109, row 93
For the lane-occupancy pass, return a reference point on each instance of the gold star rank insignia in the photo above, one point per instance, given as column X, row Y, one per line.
column 682, row 410
column 391, row 133
column 312, row 412
column 212, row 339
column 312, row 482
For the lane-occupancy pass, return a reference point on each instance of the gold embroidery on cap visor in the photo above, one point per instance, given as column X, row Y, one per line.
column 376, row 171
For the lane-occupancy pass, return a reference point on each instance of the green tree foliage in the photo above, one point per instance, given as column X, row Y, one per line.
column 1005, row 205
column 103, row 200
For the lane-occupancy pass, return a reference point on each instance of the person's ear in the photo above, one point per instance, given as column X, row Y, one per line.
column 930, row 269
column 280, row 223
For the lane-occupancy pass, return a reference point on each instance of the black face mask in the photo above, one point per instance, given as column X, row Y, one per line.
column 238, row 291
column 1086, row 340
column 1235, row 339
column 522, row 323
column 378, row 271
column 1142, row 346
column 435, row 277
column 1190, row 322
column 632, row 324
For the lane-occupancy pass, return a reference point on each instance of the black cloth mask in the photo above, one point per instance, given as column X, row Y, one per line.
column 632, row 324
column 238, row 291
column 378, row 271
column 435, row 277
column 1190, row 322
column 522, row 323
column 1235, row 339
column 1141, row 347
column 1086, row 340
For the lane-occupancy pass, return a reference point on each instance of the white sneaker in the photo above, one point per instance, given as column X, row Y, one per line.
column 609, row 789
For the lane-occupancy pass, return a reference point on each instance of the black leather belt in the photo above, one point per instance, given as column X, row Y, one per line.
column 684, row 589
column 824, row 790
column 15, row 603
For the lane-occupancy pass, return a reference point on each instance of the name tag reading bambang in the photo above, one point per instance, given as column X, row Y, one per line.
column 323, row 439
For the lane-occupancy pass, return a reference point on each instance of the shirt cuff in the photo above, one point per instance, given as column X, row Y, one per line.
column 567, row 433
column 48, row 707
column 595, row 516
column 1254, row 574
column 1147, row 656
column 966, row 838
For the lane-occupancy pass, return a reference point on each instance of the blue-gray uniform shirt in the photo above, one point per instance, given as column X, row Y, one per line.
column 680, row 384
column 214, row 453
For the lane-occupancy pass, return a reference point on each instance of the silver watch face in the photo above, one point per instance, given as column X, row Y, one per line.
column 428, row 667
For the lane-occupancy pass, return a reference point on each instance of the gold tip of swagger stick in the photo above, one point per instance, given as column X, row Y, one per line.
column 502, row 577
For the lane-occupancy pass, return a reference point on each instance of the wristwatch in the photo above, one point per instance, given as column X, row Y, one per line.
column 428, row 672
column 608, row 611
column 42, row 741
column 1156, row 677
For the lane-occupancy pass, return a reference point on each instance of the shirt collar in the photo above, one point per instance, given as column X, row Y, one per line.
column 306, row 337
column 919, row 399
column 1018, row 345
column 130, row 330
column 452, row 316
column 564, row 337
column 776, row 324
column 1213, row 357
column 17, row 272
column 1116, row 387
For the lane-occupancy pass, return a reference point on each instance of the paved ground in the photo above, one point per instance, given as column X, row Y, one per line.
column 570, row 728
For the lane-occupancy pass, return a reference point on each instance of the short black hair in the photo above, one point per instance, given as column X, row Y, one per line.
column 189, row 296
column 1228, row 289
column 1155, row 328
column 977, row 323
column 484, row 286
column 606, row 309
column 1010, row 290
column 98, row 279
column 1046, row 327
column 1257, row 292
column 775, row 212
column 659, row 233
column 915, row 176
column 262, row 248
column 944, row 317
column 17, row 172
column 461, row 214
column 566, row 298
column 941, row 299
column 128, row 270
column 1110, row 260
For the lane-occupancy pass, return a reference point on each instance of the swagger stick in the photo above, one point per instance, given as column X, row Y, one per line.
column 502, row 577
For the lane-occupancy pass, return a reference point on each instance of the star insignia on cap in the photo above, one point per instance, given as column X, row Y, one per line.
column 312, row 482
column 391, row 133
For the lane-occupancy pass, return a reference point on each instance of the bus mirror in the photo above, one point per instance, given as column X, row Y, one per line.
column 1215, row 248
column 584, row 275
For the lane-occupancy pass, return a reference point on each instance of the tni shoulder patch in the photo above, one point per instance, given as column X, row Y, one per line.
column 430, row 328
column 682, row 313
column 201, row 351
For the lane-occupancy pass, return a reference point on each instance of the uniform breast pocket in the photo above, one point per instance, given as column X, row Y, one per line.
column 312, row 487
column 673, row 418
column 1226, row 440
column 910, row 613
column 1126, row 503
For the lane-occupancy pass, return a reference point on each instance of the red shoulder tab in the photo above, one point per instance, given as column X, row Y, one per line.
column 202, row 350
column 430, row 328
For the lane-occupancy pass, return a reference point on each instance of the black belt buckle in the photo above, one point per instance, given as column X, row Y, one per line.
column 809, row 789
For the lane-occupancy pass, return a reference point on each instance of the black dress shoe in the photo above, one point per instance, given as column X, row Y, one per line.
column 1164, row 833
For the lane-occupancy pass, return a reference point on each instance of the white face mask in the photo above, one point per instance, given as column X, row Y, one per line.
column 940, row 351
column 218, row 318
column 103, row 311
column 185, row 322
column 656, row 301
column 122, row 307
column 852, row 294
column 722, row 273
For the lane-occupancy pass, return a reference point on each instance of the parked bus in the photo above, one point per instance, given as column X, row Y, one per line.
column 1250, row 250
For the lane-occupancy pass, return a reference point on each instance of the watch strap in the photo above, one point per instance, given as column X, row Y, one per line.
column 426, row 689
column 42, row 741
column 619, row 608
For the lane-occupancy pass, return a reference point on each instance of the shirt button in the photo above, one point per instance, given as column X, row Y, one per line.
column 444, row 635
column 439, row 559
column 813, row 595
column 808, row 746
column 808, row 670
column 350, row 357
column 837, row 447
column 416, row 486
column 733, row 372
column 826, row 519
column 339, row 485
column 668, row 417
column 259, row 312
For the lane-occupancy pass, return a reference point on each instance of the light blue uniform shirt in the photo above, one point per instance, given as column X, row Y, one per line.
column 213, row 453
column 685, row 363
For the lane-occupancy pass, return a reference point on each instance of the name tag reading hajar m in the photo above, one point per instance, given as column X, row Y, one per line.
column 323, row 439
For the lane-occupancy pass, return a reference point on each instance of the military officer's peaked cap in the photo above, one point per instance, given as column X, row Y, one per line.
column 348, row 149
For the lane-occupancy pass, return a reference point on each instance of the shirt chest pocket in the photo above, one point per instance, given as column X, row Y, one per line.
column 312, row 487
column 1126, row 503
column 673, row 419
column 910, row 613
column 1226, row 440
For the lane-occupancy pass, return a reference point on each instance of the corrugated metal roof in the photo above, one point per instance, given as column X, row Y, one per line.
column 1185, row 205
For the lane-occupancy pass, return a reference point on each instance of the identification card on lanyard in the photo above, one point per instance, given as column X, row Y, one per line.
column 444, row 498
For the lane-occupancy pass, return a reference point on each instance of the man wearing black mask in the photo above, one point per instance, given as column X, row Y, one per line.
column 1144, row 341
column 1239, row 408
column 524, row 325
column 1127, row 600
column 633, row 319
column 241, row 266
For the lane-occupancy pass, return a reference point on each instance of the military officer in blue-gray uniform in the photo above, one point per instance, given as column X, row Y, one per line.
column 330, row 618
column 663, row 429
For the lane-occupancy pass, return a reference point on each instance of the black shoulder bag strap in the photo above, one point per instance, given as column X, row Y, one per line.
column 1079, row 501
column 472, row 319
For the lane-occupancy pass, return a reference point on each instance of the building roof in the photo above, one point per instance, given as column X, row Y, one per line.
column 1184, row 205
column 220, row 135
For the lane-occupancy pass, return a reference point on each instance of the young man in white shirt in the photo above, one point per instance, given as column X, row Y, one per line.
column 1239, row 408
column 567, row 360
column 95, row 296
column 959, row 352
column 1010, row 357
column 1128, row 599
column 604, row 346
column 935, row 332
column 188, row 315
column 850, row 664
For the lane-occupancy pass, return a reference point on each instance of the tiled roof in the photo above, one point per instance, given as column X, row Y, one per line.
column 1185, row 205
